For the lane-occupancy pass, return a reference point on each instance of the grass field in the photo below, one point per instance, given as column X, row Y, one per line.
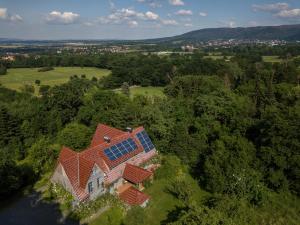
column 272, row 59
column 145, row 91
column 148, row 91
column 16, row 78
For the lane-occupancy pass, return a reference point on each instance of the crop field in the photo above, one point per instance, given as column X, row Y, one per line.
column 16, row 78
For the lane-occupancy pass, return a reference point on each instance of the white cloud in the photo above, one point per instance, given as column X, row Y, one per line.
column 281, row 10
column 271, row 7
column 128, row 16
column 289, row 13
column 204, row 14
column 133, row 23
column 188, row 25
column 184, row 12
column 169, row 22
column 230, row 23
column 56, row 17
column 151, row 16
column 6, row 16
column 151, row 3
column 176, row 2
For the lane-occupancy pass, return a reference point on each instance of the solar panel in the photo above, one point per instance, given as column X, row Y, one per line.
column 120, row 149
column 145, row 141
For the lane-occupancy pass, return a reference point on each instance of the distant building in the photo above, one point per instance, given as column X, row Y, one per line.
column 110, row 164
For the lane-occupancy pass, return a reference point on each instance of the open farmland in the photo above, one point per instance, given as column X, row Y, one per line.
column 16, row 78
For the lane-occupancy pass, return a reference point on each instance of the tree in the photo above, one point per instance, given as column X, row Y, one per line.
column 37, row 82
column 125, row 89
column 75, row 136
column 44, row 90
column 3, row 70
column 28, row 88
column 10, row 175
column 42, row 155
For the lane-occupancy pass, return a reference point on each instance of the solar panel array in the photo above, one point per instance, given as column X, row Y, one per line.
column 145, row 141
column 120, row 149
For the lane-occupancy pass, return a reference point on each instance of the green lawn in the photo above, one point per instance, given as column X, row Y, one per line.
column 113, row 216
column 216, row 57
column 16, row 78
column 272, row 59
column 145, row 91
column 148, row 91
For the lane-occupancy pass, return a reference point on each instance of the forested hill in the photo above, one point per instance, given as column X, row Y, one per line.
column 284, row 32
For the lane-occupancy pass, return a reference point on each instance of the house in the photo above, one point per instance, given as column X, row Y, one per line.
column 111, row 164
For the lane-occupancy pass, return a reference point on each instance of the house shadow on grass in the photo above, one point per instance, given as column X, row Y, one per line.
column 32, row 210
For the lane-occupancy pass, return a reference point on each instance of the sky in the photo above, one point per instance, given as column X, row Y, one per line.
column 136, row 19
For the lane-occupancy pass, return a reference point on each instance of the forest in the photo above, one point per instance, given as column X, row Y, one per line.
column 233, row 124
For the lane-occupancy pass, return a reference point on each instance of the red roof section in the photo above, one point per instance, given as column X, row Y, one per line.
column 135, row 174
column 133, row 196
column 117, row 139
column 102, row 131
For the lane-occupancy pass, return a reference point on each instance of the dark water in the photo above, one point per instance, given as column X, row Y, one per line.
column 31, row 210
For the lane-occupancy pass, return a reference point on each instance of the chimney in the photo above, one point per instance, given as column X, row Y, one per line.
column 129, row 129
column 106, row 139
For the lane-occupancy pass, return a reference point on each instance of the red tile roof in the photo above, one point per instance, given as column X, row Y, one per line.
column 102, row 131
column 78, row 166
column 135, row 174
column 133, row 196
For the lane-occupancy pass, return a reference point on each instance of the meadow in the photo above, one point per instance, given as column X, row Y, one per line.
column 16, row 78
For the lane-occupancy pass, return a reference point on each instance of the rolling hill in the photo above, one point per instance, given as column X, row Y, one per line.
column 284, row 32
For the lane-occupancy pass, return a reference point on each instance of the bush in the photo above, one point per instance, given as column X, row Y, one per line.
column 28, row 88
column 45, row 69
column 3, row 70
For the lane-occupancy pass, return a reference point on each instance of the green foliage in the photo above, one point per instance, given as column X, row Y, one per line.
column 28, row 88
column 10, row 173
column 135, row 216
column 37, row 82
column 43, row 91
column 42, row 155
column 125, row 88
column 45, row 69
column 76, row 136
column 3, row 70
column 84, row 210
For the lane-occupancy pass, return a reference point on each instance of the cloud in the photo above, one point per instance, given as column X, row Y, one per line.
column 230, row 23
column 289, row 13
column 176, row 2
column 65, row 18
column 203, row 14
column 151, row 3
column 184, row 12
column 6, row 16
column 151, row 16
column 281, row 10
column 128, row 16
column 271, row 7
column 169, row 22
column 133, row 23
column 188, row 25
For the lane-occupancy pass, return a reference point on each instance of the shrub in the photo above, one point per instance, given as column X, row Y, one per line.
column 45, row 69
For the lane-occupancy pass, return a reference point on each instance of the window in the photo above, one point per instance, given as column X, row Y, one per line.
column 100, row 185
column 98, row 182
column 90, row 186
